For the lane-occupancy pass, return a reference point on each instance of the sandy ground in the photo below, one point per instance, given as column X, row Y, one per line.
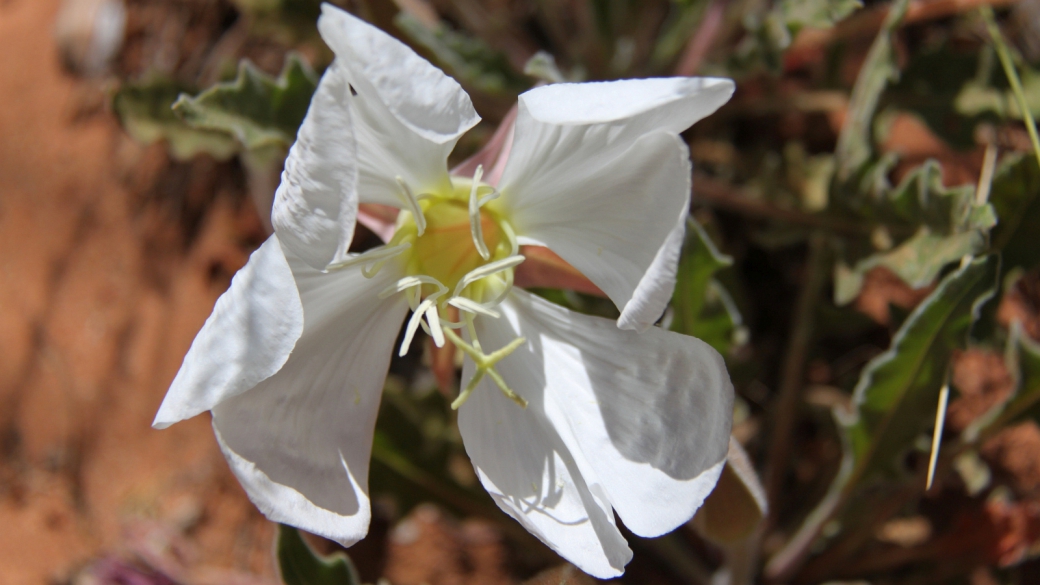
column 99, row 299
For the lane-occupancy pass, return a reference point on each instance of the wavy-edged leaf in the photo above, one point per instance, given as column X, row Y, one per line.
column 895, row 398
column 951, row 225
column 300, row 565
column 977, row 98
column 702, row 306
column 1015, row 194
column 854, row 148
column 470, row 59
column 144, row 110
column 772, row 34
column 260, row 111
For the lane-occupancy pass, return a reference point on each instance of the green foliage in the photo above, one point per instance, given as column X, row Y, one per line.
column 300, row 565
column 979, row 97
column 929, row 86
column 470, row 59
column 855, row 147
column 258, row 110
column 144, row 110
column 948, row 224
column 703, row 308
column 895, row 398
column 771, row 34
column 1015, row 194
column 288, row 20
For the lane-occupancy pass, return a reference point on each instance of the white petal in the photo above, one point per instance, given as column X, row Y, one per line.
column 620, row 221
column 634, row 106
column 315, row 206
column 247, row 338
column 300, row 442
column 529, row 472
column 407, row 114
column 646, row 416
column 577, row 151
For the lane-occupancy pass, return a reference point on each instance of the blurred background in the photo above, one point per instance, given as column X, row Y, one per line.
column 864, row 250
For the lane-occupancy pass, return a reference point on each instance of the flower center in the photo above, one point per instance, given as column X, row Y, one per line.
column 455, row 252
column 446, row 250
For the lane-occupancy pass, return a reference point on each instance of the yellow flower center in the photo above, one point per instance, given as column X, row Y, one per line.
column 446, row 250
column 458, row 250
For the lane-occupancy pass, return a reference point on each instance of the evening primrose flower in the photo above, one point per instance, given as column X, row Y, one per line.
column 567, row 418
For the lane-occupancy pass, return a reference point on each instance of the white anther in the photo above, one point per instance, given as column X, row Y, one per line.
column 485, row 271
column 377, row 254
column 413, row 205
column 464, row 304
column 413, row 325
column 475, row 227
column 434, row 320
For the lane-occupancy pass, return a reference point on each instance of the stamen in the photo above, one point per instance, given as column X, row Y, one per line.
column 507, row 286
column 465, row 304
column 379, row 254
column 489, row 197
column 475, row 227
column 485, row 271
column 412, row 281
column 434, row 320
column 413, row 205
column 413, row 326
column 514, row 245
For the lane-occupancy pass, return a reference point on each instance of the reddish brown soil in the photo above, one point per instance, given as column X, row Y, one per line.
column 99, row 299
column 982, row 381
column 111, row 258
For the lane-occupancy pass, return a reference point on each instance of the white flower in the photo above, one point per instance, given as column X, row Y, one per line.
column 567, row 418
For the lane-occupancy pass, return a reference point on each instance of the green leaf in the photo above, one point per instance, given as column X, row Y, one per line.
column 977, row 98
column 951, row 225
column 257, row 109
column 854, row 147
column 916, row 261
column 1015, row 194
column 897, row 393
column 770, row 35
column 144, row 110
column 299, row 565
column 816, row 13
column 470, row 59
column 703, row 308
column 896, row 397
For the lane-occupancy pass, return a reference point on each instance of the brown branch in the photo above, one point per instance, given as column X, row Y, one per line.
column 785, row 406
column 709, row 192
